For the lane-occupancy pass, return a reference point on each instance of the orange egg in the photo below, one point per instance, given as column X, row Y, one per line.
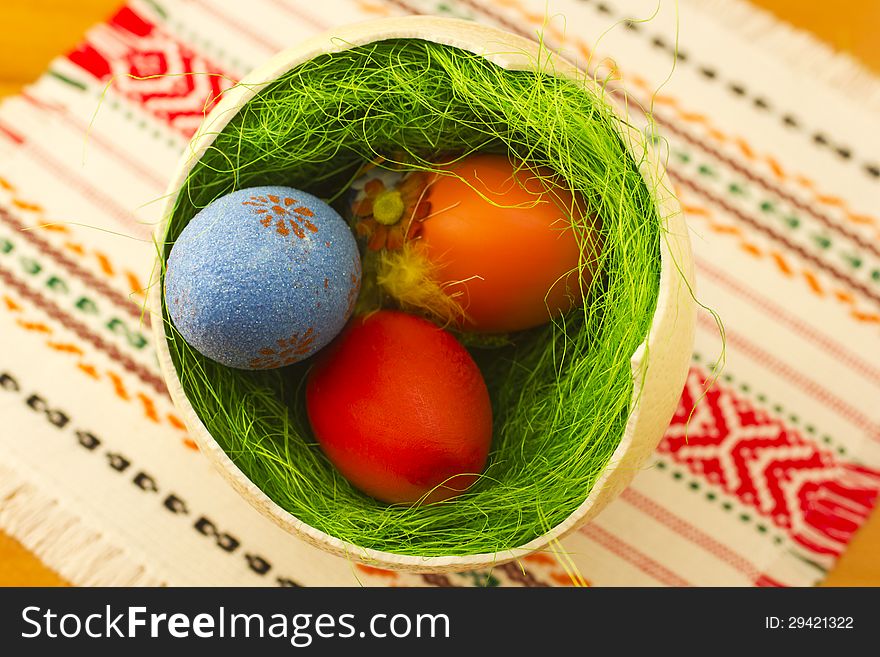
column 509, row 259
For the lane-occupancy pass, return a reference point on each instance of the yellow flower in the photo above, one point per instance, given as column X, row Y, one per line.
column 389, row 217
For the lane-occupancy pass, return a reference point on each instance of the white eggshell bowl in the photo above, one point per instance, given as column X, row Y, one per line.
column 657, row 381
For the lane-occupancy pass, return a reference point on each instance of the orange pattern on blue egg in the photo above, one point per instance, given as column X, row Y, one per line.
column 277, row 212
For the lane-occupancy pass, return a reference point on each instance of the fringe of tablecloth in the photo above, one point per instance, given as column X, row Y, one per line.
column 798, row 48
column 53, row 530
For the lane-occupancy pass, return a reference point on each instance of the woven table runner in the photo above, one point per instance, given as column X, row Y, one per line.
column 777, row 167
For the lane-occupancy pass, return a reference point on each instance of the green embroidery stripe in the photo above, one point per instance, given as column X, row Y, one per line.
column 853, row 259
column 105, row 100
column 67, row 80
column 159, row 9
column 191, row 37
column 777, row 409
column 809, row 562
column 85, row 306
column 172, row 141
column 713, row 494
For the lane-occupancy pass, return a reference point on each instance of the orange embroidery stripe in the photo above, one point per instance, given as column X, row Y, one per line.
column 89, row 370
column 104, row 262
column 65, row 347
column 812, row 280
column 118, row 386
column 774, row 165
column 693, row 209
column 55, row 228
column 538, row 18
column 855, row 313
column 175, row 421
column 556, row 32
column 560, row 577
column 541, row 558
column 872, row 318
column 744, row 147
column 11, row 304
column 834, row 201
column 718, row 135
column 638, row 78
column 559, row 573
column 781, row 263
column 662, row 99
column 753, row 249
column 149, row 406
column 725, row 229
column 25, row 205
column 694, row 117
column 135, row 284
column 37, row 327
column 76, row 248
column 562, row 580
column 584, row 50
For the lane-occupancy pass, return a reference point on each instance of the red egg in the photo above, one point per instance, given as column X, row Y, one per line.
column 401, row 409
column 502, row 244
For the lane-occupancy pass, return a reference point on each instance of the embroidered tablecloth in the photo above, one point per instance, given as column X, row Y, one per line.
column 779, row 175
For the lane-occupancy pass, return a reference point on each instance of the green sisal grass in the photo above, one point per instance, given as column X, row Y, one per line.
column 561, row 393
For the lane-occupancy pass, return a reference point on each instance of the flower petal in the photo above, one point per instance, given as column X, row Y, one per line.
column 365, row 227
column 375, row 186
column 421, row 211
column 395, row 238
column 377, row 239
column 415, row 230
column 363, row 208
column 413, row 183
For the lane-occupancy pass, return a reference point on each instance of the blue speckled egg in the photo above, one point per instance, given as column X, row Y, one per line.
column 262, row 277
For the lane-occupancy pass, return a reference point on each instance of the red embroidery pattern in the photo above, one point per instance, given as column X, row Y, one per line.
column 181, row 86
column 277, row 211
column 819, row 500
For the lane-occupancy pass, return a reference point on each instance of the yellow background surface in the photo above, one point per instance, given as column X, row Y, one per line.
column 35, row 31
